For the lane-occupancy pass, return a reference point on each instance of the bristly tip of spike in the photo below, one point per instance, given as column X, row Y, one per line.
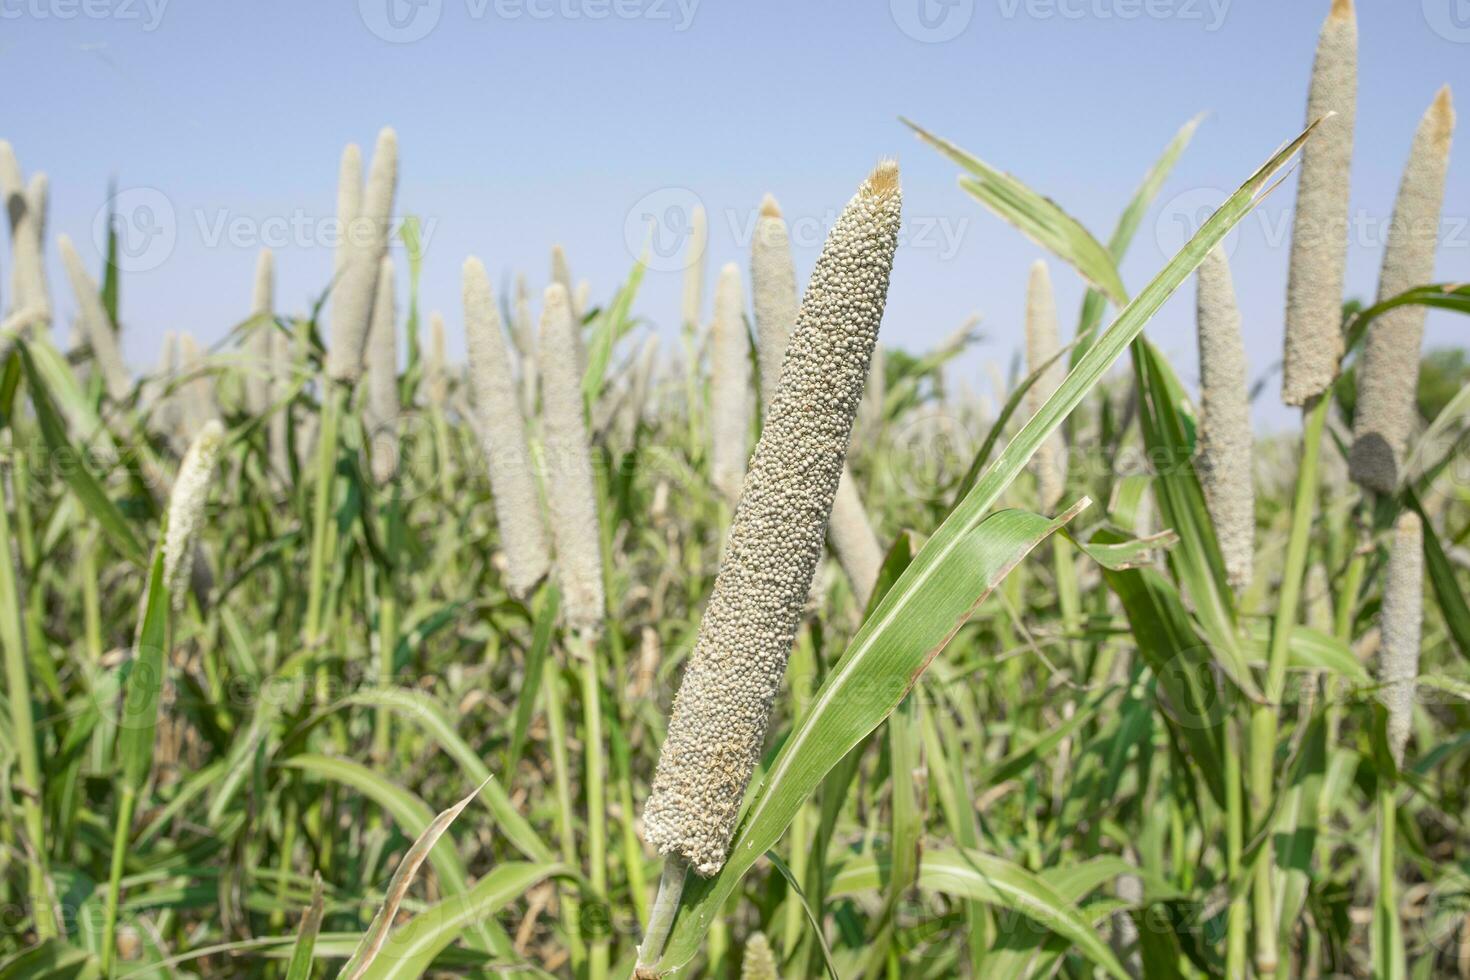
column 1443, row 109
column 1342, row 10
column 769, row 207
column 883, row 181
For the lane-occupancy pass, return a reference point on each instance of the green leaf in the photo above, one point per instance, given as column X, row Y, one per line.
column 419, row 708
column 412, row 947
column 72, row 464
column 143, row 680
column 409, row 812
column 1038, row 218
column 1178, row 658
column 609, row 328
column 311, row 923
column 372, row 941
column 986, row 878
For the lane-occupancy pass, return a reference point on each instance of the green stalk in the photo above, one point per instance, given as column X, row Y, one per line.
column 593, row 745
column 23, row 730
column 556, row 734
column 333, row 404
column 1388, row 940
column 91, row 599
column 1236, row 922
column 125, row 806
column 1265, row 717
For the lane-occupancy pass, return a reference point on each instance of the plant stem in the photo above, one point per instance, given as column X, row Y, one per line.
column 1265, row 717
column 556, row 734
column 585, row 650
column 333, row 400
column 1388, row 952
column 661, row 917
column 1235, row 944
column 23, row 730
column 125, row 806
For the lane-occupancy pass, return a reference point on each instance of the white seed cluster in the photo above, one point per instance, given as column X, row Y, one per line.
column 758, row 962
column 523, row 334
column 1225, row 442
column 571, row 492
column 773, row 285
column 197, row 392
column 1319, row 236
column 94, row 323
column 186, row 509
column 729, row 386
column 436, row 364
column 1400, row 624
column 503, row 435
column 280, row 389
column 773, row 292
column 258, row 346
column 694, row 264
column 380, row 413
column 1042, row 345
column 367, row 216
column 1386, row 410
column 718, row 725
column 26, row 206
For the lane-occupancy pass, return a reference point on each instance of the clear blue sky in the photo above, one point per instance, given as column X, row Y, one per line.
column 524, row 123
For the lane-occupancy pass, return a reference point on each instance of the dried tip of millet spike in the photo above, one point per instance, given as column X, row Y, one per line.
column 883, row 181
column 1342, row 9
column 769, row 207
column 1442, row 114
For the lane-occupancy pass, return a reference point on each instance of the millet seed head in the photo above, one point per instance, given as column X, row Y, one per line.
column 729, row 386
column 773, row 291
column 1319, row 234
column 718, row 725
column 1400, row 625
column 95, row 324
column 1224, row 458
column 186, row 509
column 1042, row 345
column 380, row 416
column 758, row 962
column 503, row 438
column 570, row 484
column 1386, row 410
column 366, row 242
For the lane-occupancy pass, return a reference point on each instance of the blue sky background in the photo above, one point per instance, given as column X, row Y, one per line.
column 524, row 123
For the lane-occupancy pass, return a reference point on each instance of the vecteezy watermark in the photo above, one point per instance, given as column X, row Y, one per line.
column 145, row 225
column 406, row 21
column 147, row 229
column 148, row 12
column 659, row 228
column 932, row 21
column 1186, row 213
column 1209, row 14
column 1450, row 19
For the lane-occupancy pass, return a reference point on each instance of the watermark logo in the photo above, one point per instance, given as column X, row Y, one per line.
column 1450, row 19
column 659, row 228
column 1208, row 14
column 406, row 21
column 400, row 21
column 1184, row 214
column 147, row 12
column 932, row 21
column 146, row 227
